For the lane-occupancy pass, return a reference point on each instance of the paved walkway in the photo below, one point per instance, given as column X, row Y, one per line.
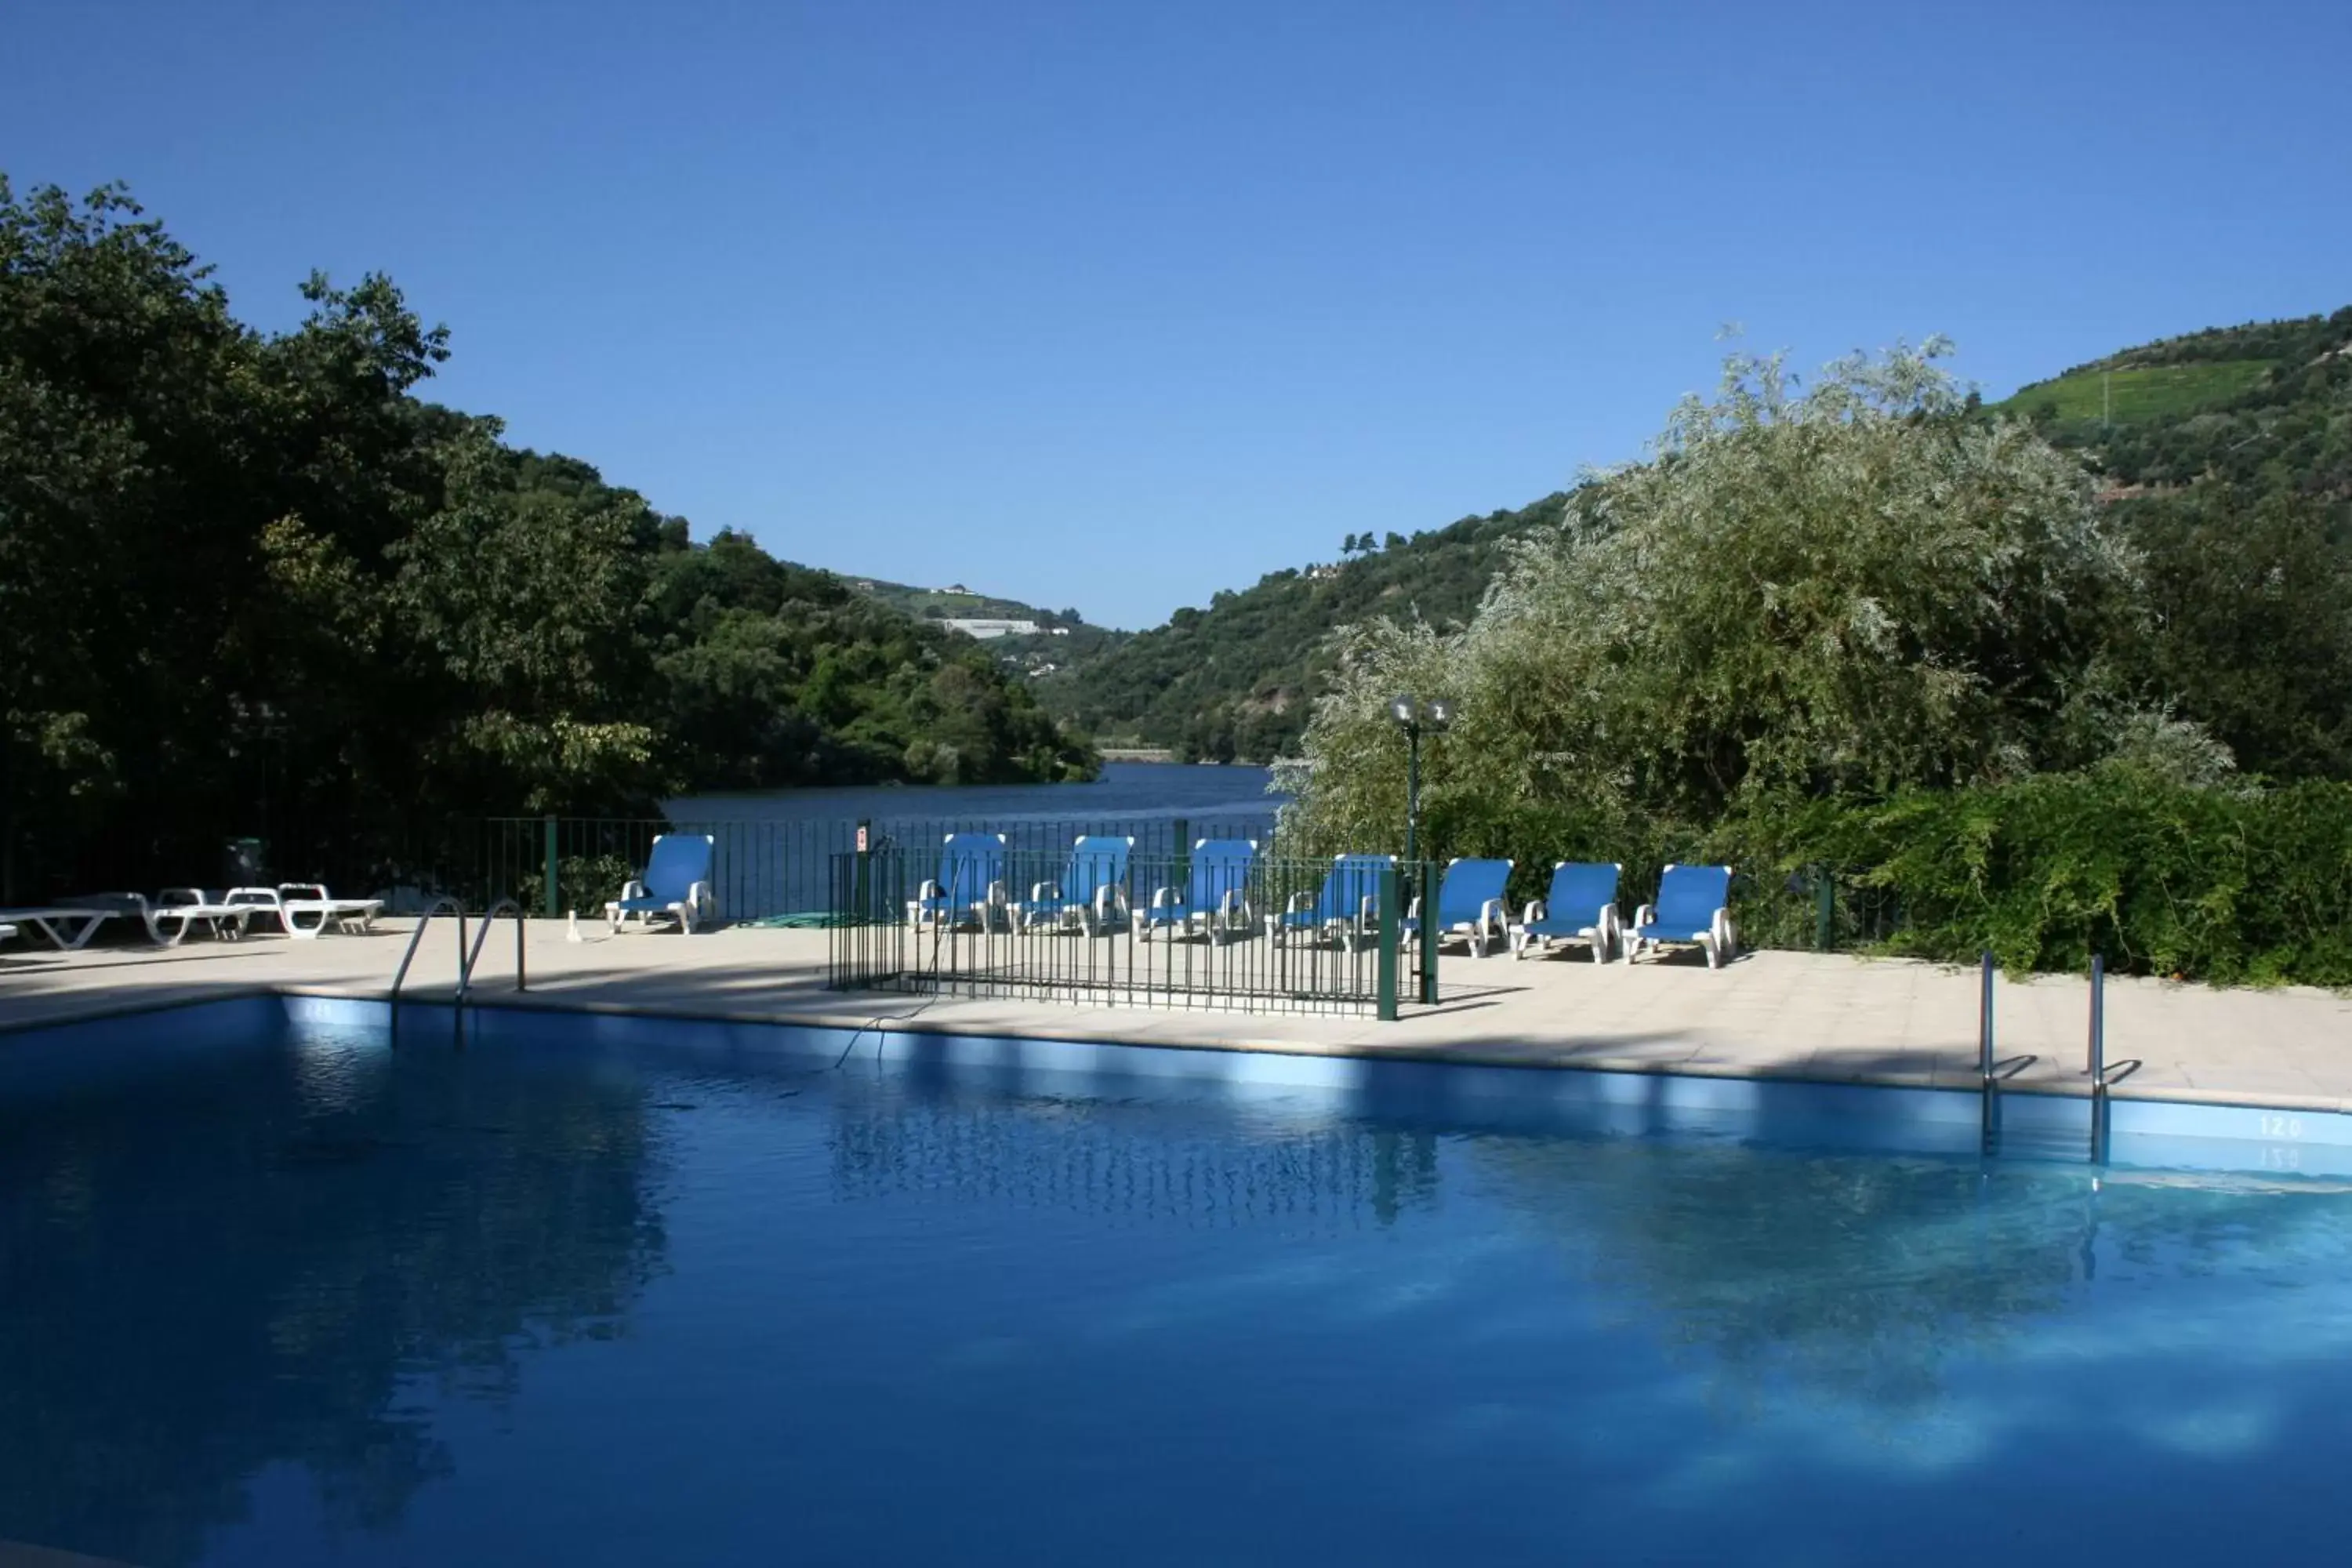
column 1793, row 1015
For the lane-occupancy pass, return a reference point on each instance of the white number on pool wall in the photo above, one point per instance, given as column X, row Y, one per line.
column 2282, row 1159
column 2282, row 1126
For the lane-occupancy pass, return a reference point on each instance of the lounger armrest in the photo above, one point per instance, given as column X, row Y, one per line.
column 303, row 889
column 170, row 895
column 1165, row 899
column 1300, row 904
column 1367, row 911
column 634, row 888
column 1413, row 908
column 701, row 897
column 1534, row 911
column 1644, row 915
column 1106, row 901
column 1040, row 892
column 1495, row 913
column 997, row 894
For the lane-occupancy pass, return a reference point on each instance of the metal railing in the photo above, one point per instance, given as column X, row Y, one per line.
column 474, row 960
column 469, row 957
column 416, row 938
column 2102, row 1075
column 760, row 869
column 1280, row 935
column 778, row 869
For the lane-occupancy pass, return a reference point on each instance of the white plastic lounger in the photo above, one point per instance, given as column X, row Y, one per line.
column 1092, row 894
column 969, row 886
column 1580, row 907
column 676, row 883
column 1694, row 907
column 7, row 931
column 318, row 909
column 1349, row 906
column 1470, row 902
column 81, row 924
column 178, row 911
column 1215, row 898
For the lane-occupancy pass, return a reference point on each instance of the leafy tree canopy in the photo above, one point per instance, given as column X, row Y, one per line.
column 246, row 574
column 1846, row 589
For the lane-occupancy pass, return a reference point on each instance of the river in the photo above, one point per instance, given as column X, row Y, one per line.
column 777, row 850
column 1125, row 791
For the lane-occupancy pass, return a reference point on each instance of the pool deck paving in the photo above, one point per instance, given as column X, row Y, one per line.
column 1823, row 1017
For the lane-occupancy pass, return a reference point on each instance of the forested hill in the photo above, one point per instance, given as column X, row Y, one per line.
column 1236, row 680
column 1063, row 642
column 2232, row 449
column 251, row 582
column 2228, row 453
column 2264, row 407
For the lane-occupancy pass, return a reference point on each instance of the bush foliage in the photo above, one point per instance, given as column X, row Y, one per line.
column 2237, row 887
column 1859, row 627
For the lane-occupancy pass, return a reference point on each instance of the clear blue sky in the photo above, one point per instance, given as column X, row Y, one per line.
column 1113, row 305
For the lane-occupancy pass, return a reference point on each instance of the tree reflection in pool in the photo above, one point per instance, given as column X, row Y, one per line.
column 320, row 1302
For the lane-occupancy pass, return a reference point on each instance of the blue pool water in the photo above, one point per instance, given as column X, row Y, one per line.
column 589, row 1298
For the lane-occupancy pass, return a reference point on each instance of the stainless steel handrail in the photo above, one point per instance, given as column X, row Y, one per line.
column 503, row 907
column 2099, row 1064
column 465, row 966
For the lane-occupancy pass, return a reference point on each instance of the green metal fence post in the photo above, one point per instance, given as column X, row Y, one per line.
column 1429, row 933
column 551, row 902
column 861, row 908
column 1824, row 908
column 1391, row 915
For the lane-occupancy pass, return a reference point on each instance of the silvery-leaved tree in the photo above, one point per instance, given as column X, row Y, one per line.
column 1837, row 590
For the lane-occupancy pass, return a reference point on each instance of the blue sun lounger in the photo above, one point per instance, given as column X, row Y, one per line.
column 676, row 883
column 1469, row 900
column 1215, row 897
column 969, row 886
column 1580, row 907
column 1349, row 906
column 1694, row 907
column 1091, row 895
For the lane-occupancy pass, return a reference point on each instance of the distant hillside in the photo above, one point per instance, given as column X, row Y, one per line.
column 1236, row 680
column 2214, row 423
column 2136, row 395
column 2230, row 453
column 2266, row 406
column 956, row 602
column 1064, row 641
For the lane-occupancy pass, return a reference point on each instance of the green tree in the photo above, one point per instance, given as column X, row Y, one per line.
column 251, row 582
column 528, row 603
column 2253, row 599
column 1843, row 591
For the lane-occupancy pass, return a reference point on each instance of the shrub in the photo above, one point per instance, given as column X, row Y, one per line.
column 2234, row 887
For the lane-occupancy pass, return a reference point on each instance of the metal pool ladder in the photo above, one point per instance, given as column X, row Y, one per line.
column 2096, row 1067
column 467, row 958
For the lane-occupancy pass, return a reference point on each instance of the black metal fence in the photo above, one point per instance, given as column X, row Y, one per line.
column 780, row 869
column 762, row 869
column 1159, row 929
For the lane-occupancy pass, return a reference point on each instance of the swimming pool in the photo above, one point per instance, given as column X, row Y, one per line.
column 615, row 1290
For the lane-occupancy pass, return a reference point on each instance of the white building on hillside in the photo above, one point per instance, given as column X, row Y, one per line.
column 985, row 630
